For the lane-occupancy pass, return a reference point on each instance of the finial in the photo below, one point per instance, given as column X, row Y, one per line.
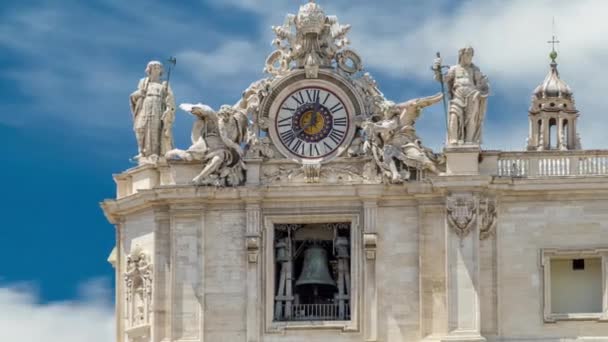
column 553, row 41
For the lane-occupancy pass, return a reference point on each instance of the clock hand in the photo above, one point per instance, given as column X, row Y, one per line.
column 307, row 126
column 315, row 112
column 313, row 120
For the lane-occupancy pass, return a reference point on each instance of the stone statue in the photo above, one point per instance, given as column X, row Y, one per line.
column 469, row 90
column 393, row 140
column 216, row 141
column 138, row 281
column 153, row 108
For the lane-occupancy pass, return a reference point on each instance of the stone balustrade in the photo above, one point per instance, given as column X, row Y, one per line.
column 552, row 163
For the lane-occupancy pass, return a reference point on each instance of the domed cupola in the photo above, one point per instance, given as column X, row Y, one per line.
column 553, row 86
column 553, row 114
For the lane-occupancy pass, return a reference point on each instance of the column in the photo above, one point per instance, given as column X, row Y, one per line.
column 573, row 134
column 560, row 132
column 531, row 135
column 604, row 317
column 546, row 138
column 254, row 295
column 462, row 260
column 370, row 239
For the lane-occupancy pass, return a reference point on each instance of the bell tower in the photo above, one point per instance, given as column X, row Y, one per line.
column 553, row 114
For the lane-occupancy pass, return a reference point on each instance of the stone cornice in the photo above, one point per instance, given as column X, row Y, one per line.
column 320, row 194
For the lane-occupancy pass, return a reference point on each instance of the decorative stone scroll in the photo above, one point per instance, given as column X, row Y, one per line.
column 461, row 213
column 311, row 40
column 138, row 284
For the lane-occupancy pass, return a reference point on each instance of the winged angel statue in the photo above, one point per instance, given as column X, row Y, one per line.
column 393, row 141
column 216, row 141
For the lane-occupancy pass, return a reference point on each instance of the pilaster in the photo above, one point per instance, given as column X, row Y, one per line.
column 462, row 263
column 370, row 239
column 119, row 296
column 187, row 285
column 254, row 294
column 161, row 294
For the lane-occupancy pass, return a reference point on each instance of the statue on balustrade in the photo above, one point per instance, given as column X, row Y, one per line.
column 468, row 89
column 153, row 108
column 216, row 141
column 393, row 141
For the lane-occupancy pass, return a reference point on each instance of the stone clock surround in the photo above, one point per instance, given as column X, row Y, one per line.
column 328, row 80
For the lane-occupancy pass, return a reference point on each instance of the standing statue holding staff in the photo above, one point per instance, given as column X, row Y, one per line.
column 153, row 108
column 468, row 89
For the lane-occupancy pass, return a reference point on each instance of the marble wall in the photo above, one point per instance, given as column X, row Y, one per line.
column 201, row 269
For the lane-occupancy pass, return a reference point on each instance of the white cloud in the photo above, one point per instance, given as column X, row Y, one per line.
column 24, row 319
column 399, row 40
column 90, row 82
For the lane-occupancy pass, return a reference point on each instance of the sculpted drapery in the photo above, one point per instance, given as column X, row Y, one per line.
column 468, row 89
column 153, row 109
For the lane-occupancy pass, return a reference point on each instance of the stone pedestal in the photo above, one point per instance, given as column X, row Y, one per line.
column 139, row 178
column 462, row 160
column 253, row 170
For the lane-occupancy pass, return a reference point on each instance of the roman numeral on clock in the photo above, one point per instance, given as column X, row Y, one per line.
column 313, row 95
column 297, row 146
column 299, row 98
column 313, row 150
column 339, row 121
column 336, row 136
column 284, row 122
column 336, row 108
column 326, row 98
column 288, row 137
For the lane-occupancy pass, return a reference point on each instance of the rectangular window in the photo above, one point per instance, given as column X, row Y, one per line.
column 578, row 264
column 574, row 288
column 312, row 272
column 575, row 284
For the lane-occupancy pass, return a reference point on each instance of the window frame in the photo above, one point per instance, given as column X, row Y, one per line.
column 356, row 271
column 549, row 254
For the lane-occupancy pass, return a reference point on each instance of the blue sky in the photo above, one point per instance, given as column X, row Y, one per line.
column 69, row 66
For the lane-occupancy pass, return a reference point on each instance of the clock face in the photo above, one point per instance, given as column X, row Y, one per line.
column 312, row 122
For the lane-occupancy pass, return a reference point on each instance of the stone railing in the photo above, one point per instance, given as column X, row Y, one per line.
column 319, row 312
column 553, row 163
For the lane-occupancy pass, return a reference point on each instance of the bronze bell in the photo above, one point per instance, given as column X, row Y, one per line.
column 315, row 270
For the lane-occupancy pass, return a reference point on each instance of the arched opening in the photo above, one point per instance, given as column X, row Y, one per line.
column 552, row 139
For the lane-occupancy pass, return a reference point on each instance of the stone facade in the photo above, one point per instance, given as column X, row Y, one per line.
column 253, row 234
column 210, row 278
